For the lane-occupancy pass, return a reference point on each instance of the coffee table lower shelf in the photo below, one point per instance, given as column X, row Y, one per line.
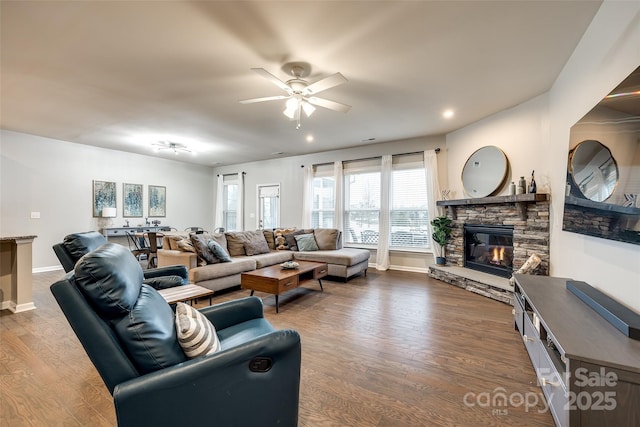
column 276, row 280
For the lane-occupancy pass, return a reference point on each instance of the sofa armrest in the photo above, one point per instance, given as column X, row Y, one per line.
column 168, row 257
column 233, row 312
column 170, row 270
column 224, row 380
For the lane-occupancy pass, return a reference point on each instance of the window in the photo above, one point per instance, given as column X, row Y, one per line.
column 323, row 209
column 409, row 214
column 362, row 202
column 230, row 203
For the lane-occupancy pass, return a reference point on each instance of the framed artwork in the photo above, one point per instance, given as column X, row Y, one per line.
column 104, row 196
column 132, row 198
column 157, row 201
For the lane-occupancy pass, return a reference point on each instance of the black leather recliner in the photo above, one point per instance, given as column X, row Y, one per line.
column 252, row 381
column 75, row 245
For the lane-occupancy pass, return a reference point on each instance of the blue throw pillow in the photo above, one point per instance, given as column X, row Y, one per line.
column 218, row 251
column 306, row 242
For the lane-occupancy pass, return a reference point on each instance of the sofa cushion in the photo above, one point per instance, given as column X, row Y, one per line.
column 327, row 238
column 237, row 239
column 148, row 333
column 292, row 245
column 110, row 277
column 344, row 256
column 218, row 251
column 196, row 334
column 272, row 258
column 163, row 282
column 215, row 271
column 306, row 242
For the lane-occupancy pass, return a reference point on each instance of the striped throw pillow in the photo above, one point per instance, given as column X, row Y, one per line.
column 196, row 334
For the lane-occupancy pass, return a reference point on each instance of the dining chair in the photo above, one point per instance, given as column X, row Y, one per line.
column 136, row 248
column 151, row 240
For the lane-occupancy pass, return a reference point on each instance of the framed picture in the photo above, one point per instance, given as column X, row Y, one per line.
column 132, row 200
column 157, row 201
column 104, row 196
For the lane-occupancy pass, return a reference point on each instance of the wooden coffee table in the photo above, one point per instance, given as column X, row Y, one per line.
column 277, row 280
column 185, row 293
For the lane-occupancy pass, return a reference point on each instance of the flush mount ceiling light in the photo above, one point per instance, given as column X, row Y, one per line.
column 300, row 92
column 171, row 146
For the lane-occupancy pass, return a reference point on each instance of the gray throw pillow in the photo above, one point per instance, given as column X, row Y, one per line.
column 218, row 251
column 256, row 247
column 306, row 242
column 199, row 242
column 291, row 239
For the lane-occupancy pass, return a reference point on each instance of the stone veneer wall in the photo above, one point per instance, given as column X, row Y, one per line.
column 529, row 236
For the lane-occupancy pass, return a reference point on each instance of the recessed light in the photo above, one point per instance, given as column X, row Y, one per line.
column 447, row 114
column 309, row 138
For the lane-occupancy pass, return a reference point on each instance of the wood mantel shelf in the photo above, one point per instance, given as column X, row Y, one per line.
column 520, row 200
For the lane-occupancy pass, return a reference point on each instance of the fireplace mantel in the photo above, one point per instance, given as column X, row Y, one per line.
column 521, row 201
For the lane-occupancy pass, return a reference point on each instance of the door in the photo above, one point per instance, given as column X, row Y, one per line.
column 268, row 206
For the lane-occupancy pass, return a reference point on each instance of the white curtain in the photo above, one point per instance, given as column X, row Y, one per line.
column 307, row 197
column 382, row 258
column 433, row 191
column 240, row 207
column 218, row 221
column 338, row 176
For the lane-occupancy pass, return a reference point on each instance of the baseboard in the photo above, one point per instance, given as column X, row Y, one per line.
column 14, row 308
column 46, row 269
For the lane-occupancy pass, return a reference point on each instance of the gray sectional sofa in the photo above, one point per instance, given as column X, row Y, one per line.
column 180, row 248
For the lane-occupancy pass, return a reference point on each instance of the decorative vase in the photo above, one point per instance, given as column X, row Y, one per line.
column 522, row 186
column 532, row 185
column 512, row 188
column 440, row 260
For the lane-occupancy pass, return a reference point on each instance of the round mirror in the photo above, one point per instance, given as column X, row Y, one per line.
column 594, row 170
column 484, row 171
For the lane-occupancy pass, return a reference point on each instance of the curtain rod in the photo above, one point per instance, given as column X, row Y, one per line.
column 437, row 150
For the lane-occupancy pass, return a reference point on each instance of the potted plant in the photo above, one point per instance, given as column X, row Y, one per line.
column 441, row 234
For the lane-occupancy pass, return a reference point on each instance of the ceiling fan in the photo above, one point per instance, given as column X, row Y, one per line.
column 300, row 93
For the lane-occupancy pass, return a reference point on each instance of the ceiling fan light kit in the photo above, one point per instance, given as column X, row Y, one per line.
column 299, row 92
column 172, row 146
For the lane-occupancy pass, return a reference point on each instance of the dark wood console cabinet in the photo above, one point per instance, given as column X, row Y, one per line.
column 588, row 370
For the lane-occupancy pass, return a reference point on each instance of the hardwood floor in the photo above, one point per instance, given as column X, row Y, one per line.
column 389, row 349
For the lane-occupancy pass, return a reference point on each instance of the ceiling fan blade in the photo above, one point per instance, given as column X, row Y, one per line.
column 326, row 83
column 266, row 98
column 273, row 79
column 332, row 105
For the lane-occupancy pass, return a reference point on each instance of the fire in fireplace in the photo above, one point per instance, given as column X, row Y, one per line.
column 489, row 248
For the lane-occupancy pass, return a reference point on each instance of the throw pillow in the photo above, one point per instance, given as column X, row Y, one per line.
column 270, row 238
column 196, row 334
column 218, row 251
column 327, row 238
column 184, row 245
column 199, row 242
column 279, row 241
column 256, row 246
column 291, row 239
column 306, row 242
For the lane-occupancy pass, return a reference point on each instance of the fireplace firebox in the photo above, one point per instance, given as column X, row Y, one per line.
column 489, row 248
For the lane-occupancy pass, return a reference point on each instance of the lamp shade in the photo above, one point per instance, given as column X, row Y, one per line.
column 109, row 212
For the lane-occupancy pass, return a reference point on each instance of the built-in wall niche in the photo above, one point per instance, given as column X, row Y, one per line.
column 603, row 169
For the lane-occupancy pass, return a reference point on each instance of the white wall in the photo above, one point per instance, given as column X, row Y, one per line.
column 55, row 178
column 535, row 135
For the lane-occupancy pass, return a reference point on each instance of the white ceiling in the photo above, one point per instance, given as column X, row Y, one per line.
column 125, row 74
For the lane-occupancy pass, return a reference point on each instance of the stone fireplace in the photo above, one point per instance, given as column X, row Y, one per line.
column 525, row 215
